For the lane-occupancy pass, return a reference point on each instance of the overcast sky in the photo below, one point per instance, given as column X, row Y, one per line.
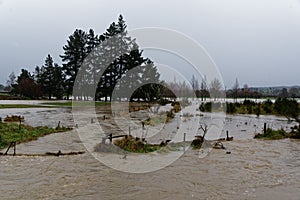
column 257, row 41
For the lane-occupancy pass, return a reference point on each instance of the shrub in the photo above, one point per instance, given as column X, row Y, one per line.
column 248, row 102
column 249, row 109
column 135, row 145
column 267, row 106
column 287, row 108
column 273, row 134
column 170, row 114
column 176, row 106
column 257, row 110
column 231, row 108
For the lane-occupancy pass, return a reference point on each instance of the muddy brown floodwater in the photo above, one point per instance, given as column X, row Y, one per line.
column 255, row 169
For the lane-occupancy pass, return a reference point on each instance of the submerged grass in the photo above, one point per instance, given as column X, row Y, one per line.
column 5, row 106
column 54, row 104
column 75, row 103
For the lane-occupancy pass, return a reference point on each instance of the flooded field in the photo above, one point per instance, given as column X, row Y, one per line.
column 255, row 169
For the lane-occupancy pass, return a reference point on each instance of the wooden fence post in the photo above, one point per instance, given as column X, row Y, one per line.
column 110, row 138
column 227, row 136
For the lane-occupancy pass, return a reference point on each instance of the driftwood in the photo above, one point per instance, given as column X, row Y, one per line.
column 59, row 153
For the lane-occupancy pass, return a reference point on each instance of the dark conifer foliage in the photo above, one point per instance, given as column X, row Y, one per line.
column 115, row 58
column 112, row 61
column 51, row 78
column 75, row 52
column 26, row 86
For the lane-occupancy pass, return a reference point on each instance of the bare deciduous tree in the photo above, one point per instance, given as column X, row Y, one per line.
column 246, row 90
column 235, row 89
column 11, row 81
column 215, row 89
column 203, row 88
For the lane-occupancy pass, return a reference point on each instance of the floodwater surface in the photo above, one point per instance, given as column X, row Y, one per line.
column 254, row 169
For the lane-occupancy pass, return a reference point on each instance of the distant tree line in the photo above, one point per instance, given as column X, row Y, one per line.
column 52, row 80
column 214, row 88
column 286, row 107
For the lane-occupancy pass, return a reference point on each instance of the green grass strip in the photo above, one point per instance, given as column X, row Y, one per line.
column 13, row 132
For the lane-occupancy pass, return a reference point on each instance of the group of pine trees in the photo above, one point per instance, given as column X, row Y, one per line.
column 103, row 60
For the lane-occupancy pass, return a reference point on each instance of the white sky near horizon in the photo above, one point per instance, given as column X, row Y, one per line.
column 256, row 41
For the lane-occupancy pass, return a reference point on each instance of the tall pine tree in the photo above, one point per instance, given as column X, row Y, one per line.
column 75, row 52
column 51, row 78
column 112, row 55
